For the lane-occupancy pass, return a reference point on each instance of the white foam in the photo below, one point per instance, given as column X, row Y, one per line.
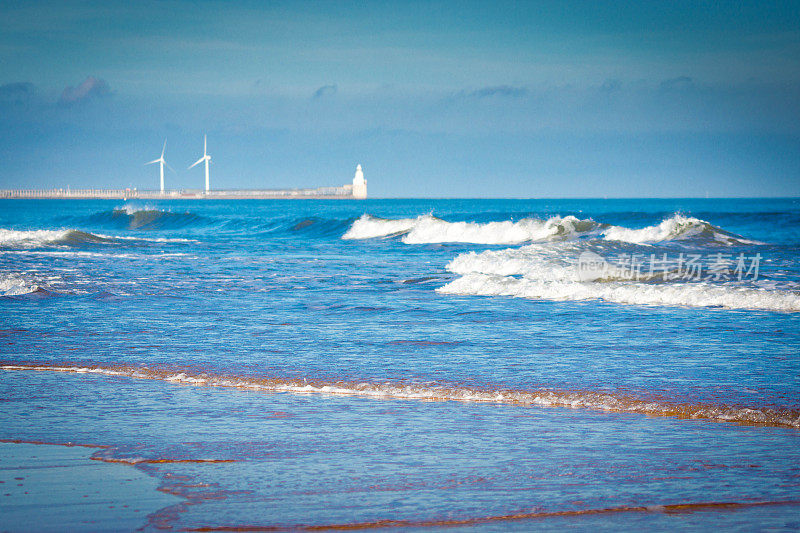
column 676, row 227
column 369, row 227
column 132, row 210
column 95, row 255
column 37, row 238
column 551, row 272
column 543, row 262
column 698, row 294
column 183, row 378
column 13, row 284
column 32, row 238
column 428, row 229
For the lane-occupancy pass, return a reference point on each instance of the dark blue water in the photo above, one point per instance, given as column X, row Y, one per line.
column 417, row 362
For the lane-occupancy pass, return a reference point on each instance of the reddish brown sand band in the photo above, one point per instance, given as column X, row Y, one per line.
column 533, row 515
column 651, row 405
column 160, row 461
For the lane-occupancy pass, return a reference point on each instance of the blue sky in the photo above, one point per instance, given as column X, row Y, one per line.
column 498, row 99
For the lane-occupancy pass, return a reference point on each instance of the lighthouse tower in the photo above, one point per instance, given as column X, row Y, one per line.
column 359, row 184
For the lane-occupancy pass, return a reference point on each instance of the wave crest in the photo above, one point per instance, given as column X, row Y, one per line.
column 36, row 238
column 676, row 228
column 369, row 227
column 146, row 218
column 427, row 229
column 21, row 239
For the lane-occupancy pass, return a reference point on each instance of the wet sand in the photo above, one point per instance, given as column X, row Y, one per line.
column 59, row 488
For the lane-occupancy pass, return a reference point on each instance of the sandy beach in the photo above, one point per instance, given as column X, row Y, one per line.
column 60, row 488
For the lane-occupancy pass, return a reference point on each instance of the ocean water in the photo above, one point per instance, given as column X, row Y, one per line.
column 486, row 365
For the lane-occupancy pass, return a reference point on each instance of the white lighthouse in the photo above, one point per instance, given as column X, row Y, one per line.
column 359, row 184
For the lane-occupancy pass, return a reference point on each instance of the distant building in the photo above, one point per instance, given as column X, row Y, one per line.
column 358, row 191
column 359, row 184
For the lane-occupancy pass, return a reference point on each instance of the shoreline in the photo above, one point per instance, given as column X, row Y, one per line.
column 61, row 487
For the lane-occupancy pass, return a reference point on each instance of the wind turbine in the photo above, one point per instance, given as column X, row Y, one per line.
column 207, row 159
column 161, row 166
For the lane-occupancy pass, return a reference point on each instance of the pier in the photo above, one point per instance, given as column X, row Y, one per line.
column 342, row 193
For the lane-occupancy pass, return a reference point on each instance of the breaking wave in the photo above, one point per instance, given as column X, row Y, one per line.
column 678, row 294
column 369, row 227
column 428, row 229
column 13, row 284
column 547, row 273
column 546, row 267
column 146, row 218
column 579, row 399
column 307, row 227
column 36, row 238
column 27, row 239
column 676, row 228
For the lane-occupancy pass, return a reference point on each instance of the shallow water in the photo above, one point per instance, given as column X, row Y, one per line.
column 416, row 361
column 59, row 488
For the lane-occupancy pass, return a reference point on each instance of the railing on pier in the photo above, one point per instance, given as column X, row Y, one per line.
column 124, row 194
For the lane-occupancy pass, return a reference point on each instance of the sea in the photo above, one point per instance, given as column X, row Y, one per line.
column 475, row 365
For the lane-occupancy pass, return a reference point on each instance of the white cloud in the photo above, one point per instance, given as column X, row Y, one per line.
column 88, row 89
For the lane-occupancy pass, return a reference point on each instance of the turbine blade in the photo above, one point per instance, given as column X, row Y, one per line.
column 164, row 148
column 205, row 144
column 154, row 161
column 169, row 167
column 198, row 162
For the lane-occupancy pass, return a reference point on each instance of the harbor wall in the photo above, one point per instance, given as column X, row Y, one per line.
column 343, row 192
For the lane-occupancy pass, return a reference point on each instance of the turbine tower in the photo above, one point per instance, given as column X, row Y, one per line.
column 161, row 165
column 207, row 159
